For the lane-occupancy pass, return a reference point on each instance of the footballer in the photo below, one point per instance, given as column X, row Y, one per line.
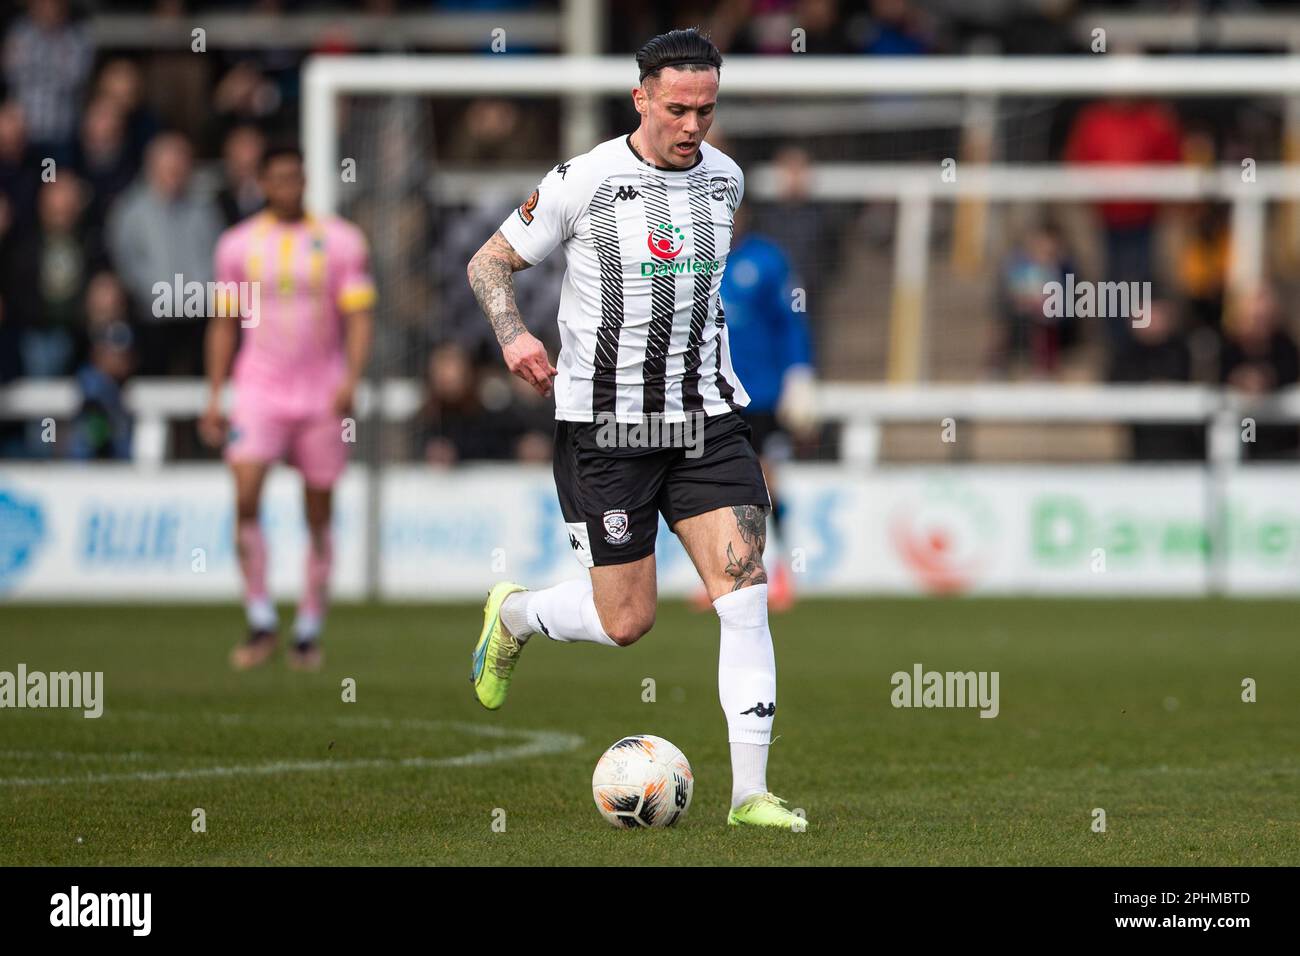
column 646, row 224
column 295, row 375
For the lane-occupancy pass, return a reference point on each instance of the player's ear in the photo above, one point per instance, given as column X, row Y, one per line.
column 639, row 99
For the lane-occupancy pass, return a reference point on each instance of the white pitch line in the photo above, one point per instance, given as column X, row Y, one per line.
column 536, row 743
column 122, row 756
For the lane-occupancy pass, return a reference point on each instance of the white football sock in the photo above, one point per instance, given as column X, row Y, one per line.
column 261, row 615
column 747, row 686
column 306, row 627
column 566, row 612
column 748, row 771
column 514, row 615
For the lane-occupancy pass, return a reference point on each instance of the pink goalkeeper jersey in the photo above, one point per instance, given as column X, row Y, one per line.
column 304, row 277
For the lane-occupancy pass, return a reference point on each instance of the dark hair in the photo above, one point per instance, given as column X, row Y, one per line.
column 272, row 153
column 679, row 49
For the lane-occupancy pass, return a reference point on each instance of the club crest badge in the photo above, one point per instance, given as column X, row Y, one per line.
column 616, row 527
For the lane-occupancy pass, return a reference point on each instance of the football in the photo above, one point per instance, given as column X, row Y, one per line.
column 643, row 781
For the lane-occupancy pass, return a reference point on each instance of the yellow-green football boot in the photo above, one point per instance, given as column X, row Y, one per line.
column 493, row 662
column 765, row 810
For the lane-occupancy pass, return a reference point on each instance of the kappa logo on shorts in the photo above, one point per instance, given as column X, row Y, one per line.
column 616, row 527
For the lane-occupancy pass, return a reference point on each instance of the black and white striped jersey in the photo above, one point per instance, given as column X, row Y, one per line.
column 642, row 328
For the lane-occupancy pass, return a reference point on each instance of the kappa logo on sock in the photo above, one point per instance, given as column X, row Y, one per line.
column 542, row 625
column 761, row 710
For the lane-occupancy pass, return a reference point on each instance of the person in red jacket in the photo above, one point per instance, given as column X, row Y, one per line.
column 1125, row 131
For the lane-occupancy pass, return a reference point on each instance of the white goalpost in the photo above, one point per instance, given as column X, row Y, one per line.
column 325, row 78
column 916, row 187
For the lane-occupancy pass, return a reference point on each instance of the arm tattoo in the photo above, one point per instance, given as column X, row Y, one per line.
column 747, row 569
column 490, row 276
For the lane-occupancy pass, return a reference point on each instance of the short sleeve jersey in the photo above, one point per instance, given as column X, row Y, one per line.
column 642, row 327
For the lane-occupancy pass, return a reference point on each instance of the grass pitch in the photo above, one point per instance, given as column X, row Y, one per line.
column 1130, row 706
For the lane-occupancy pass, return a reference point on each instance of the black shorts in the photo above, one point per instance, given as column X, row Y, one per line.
column 613, row 484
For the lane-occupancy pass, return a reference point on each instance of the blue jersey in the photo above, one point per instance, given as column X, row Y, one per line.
column 767, row 335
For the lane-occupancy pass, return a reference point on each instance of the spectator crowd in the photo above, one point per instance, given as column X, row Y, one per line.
column 119, row 170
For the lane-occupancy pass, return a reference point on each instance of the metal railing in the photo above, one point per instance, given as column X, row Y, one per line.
column 862, row 409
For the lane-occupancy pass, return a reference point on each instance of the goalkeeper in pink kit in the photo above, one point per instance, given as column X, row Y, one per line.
column 305, row 300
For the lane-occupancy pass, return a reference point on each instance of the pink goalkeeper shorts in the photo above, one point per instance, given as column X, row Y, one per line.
column 314, row 444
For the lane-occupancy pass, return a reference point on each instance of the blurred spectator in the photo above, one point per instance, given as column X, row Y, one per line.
column 45, row 279
column 240, row 195
column 1202, row 266
column 810, row 233
column 106, row 302
column 104, row 158
column 102, row 427
column 161, row 229
column 1259, row 357
column 1123, row 130
column 749, row 26
column 47, row 59
column 456, row 426
column 765, row 27
column 1026, row 330
column 897, row 29
column 824, row 33
column 177, row 84
column 529, row 418
column 120, row 82
column 495, row 131
column 1160, row 353
column 19, row 172
column 12, row 440
column 243, row 96
column 471, row 414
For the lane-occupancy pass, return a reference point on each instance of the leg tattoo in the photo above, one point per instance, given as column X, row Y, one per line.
column 747, row 568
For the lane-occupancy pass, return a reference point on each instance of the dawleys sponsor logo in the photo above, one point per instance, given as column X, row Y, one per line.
column 687, row 266
column 665, row 243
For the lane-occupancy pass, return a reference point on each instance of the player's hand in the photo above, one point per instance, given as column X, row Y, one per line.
column 526, row 357
column 212, row 425
column 344, row 398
